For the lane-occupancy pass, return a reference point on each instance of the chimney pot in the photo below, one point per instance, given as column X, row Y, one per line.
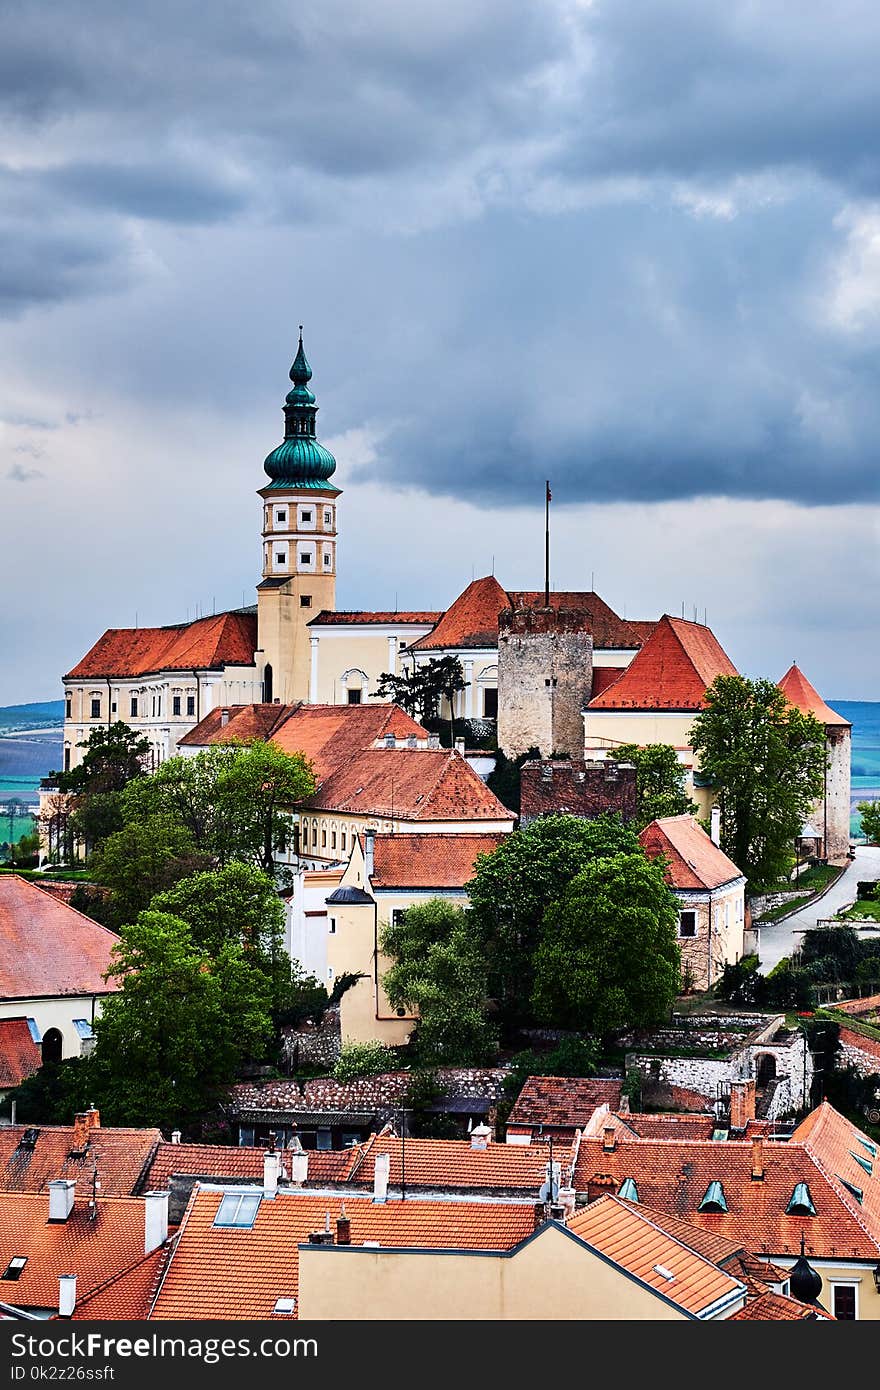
column 459, row 746
column 369, row 852
column 380, row 1177
column 299, row 1166
column 224, row 718
column 270, row 1174
column 343, row 1230
column 481, row 1136
column 66, row 1295
column 758, row 1159
column 62, row 1192
column 175, row 1136
column 609, row 1139
column 715, row 825
column 155, row 1220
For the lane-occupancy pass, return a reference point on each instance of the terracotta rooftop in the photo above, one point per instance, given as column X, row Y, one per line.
column 127, row 1296
column 429, row 861
column 20, row 1056
column 847, row 1156
column 31, row 1156
column 453, row 1163
column 250, row 1269
column 673, row 670
column 338, row 617
column 798, row 691
column 208, row 644
column 409, row 784
column 48, row 948
column 630, row 1237
column 228, row 1163
column 673, row 1175
column 871, row 1046
column 778, row 1307
column 563, row 1101
column 607, row 629
column 94, row 1248
column 693, row 858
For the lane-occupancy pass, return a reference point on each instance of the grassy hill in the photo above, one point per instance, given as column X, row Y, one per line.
column 43, row 714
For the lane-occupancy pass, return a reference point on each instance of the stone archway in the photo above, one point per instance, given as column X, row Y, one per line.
column 53, row 1046
column 765, row 1070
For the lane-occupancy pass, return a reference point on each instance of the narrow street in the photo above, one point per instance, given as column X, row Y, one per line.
column 781, row 938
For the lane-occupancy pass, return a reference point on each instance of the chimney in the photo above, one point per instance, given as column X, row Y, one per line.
column 61, row 1196
column 369, row 852
column 380, row 1177
column 459, row 746
column 433, row 741
column 715, row 825
column 66, row 1295
column 175, row 1136
column 299, row 1166
column 343, row 1228
column 155, row 1220
column 742, row 1103
column 758, row 1159
column 609, row 1139
column 83, row 1124
column 224, row 718
column 567, row 1200
column 481, row 1136
column 270, row 1174
column 390, row 741
column 599, row 1184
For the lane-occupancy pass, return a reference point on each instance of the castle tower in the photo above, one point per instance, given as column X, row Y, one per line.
column 545, row 677
column 299, row 543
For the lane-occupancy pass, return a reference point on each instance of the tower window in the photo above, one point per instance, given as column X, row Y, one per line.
column 354, row 697
column 305, row 558
column 328, row 517
column 307, row 518
column 280, row 557
column 280, row 517
column 305, row 600
column 328, row 559
column 68, row 713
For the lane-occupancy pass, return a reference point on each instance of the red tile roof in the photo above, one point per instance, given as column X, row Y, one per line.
column 429, row 861
column 673, row 1175
column 871, row 1046
column 127, row 1296
column 472, row 620
column 48, row 948
column 338, row 617
column 452, row 1163
column 673, row 670
column 563, row 1101
column 227, row 1163
column 607, row 629
column 798, row 691
column 225, row 639
column 693, row 858
column 837, row 1146
column 777, row 1307
column 409, row 784
column 94, row 1248
column 603, row 676
column 120, row 1156
column 217, row 1273
column 630, row 1237
column 19, row 1054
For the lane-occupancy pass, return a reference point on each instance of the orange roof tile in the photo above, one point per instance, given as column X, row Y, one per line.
column 452, row 1163
column 871, row 1046
column 627, row 1235
column 607, row 629
column 563, row 1101
column 120, row 1156
column 91, row 1247
column 409, row 784
column 127, row 1296
column 19, row 1054
column 798, row 691
column 472, row 620
column 228, row 1163
column 693, row 858
column 48, row 948
column 337, row 617
column 778, row 1307
column 429, row 861
column 250, row 1269
column 673, row 670
column 846, row 1155
column 225, row 639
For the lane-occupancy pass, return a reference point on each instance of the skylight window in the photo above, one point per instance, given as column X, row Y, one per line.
column 285, row 1305
column 713, row 1198
column 15, row 1268
column 862, row 1162
column 238, row 1209
column 801, row 1202
column 851, row 1187
column 628, row 1191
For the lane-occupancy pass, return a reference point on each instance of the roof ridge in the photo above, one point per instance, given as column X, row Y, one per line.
column 60, row 901
column 842, row 1191
column 641, row 1213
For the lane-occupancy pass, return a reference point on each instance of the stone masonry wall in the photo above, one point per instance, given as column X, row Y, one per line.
column 545, row 677
column 576, row 788
column 837, row 793
column 314, row 1045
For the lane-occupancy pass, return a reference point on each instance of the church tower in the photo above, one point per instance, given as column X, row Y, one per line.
column 299, row 543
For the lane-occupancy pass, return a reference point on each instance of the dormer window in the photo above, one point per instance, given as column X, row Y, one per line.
column 862, row 1162
column 628, row 1190
column 238, row 1209
column 15, row 1268
column 713, row 1198
column 801, row 1203
column 851, row 1187
column 866, row 1144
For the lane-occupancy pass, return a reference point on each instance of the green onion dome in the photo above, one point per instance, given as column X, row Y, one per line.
column 300, row 460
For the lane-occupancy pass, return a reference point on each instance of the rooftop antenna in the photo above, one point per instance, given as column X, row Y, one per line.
column 547, row 500
column 682, row 608
column 213, row 603
column 493, row 564
column 592, row 581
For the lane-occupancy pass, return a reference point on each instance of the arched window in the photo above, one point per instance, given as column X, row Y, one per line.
column 53, row 1046
column 267, row 685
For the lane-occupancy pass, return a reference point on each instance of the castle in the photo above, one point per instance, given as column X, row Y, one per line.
column 559, row 670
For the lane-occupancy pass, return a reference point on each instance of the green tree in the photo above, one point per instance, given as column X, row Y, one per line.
column 766, row 760
column 234, row 799
column 660, row 780
column 609, row 958
column 421, row 690
column 512, row 886
column 869, row 812
column 505, row 779
column 114, row 756
column 180, row 1027
column 143, row 858
column 439, row 970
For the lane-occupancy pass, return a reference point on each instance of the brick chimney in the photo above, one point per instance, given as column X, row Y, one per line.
column 599, row 1184
column 83, row 1124
column 175, row 1136
column 481, row 1136
column 742, row 1103
column 609, row 1139
column 758, row 1158
column 459, row 746
column 61, row 1197
column 343, row 1228
column 66, row 1295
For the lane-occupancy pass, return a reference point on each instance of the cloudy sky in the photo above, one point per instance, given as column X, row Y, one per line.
column 633, row 247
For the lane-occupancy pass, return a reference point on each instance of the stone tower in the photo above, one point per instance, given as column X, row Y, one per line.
column 830, row 817
column 299, row 543
column 545, row 676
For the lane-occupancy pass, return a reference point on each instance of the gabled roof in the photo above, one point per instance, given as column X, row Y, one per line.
column 208, row 644
column 778, row 1307
column 453, row 1163
column 341, row 617
column 215, row 1272
column 127, row 1296
column 229, row 1163
column 630, row 1237
column 846, row 1155
column 92, row 1248
column 427, row 860
column 563, row 1101
column 20, row 1056
column 472, row 620
column 48, row 948
column 52, row 1151
column 673, row 670
column 799, row 692
column 409, row 784
column 693, row 858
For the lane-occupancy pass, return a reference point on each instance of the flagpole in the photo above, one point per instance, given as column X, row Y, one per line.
column 547, row 546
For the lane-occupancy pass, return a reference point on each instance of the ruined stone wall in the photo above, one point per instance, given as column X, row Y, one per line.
column 576, row 788
column 545, row 677
column 313, row 1045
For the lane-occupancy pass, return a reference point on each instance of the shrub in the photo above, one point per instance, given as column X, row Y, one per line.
column 364, row 1059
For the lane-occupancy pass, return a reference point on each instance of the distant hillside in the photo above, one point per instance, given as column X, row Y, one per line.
column 44, row 713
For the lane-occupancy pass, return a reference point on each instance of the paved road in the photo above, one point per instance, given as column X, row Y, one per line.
column 780, row 938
